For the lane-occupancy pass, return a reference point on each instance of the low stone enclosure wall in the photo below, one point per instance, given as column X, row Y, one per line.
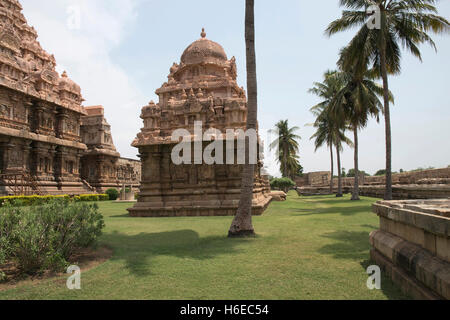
column 412, row 246
column 426, row 184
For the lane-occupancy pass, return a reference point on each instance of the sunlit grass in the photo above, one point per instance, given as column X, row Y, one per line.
column 306, row 248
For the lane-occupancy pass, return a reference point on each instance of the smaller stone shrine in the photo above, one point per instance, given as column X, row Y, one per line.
column 202, row 88
column 101, row 165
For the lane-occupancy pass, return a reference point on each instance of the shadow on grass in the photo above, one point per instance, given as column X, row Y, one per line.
column 387, row 286
column 351, row 245
column 355, row 245
column 345, row 211
column 138, row 250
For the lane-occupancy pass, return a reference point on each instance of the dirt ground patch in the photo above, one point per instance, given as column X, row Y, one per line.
column 86, row 259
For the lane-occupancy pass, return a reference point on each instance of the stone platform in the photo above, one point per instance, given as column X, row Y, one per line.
column 413, row 246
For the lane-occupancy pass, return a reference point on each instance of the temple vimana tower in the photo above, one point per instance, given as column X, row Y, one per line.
column 202, row 88
column 49, row 142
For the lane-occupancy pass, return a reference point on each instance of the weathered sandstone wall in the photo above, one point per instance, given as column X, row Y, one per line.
column 413, row 246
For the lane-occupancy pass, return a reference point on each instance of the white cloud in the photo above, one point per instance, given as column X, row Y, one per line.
column 85, row 53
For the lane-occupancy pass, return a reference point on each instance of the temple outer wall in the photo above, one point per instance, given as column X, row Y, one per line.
column 426, row 184
column 169, row 190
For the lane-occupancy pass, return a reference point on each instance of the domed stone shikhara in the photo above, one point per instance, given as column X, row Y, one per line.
column 202, row 87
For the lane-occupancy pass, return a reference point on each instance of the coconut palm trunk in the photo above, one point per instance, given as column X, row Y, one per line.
column 338, row 155
column 355, row 195
column 285, row 160
column 387, row 113
column 332, row 168
column 242, row 222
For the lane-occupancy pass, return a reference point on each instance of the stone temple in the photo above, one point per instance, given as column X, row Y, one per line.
column 49, row 142
column 202, row 88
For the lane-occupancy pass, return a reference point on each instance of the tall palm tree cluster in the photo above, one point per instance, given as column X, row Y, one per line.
column 351, row 95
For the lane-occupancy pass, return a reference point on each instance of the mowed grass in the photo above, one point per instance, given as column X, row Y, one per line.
column 306, row 248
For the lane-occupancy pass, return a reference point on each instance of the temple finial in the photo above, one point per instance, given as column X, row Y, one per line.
column 203, row 34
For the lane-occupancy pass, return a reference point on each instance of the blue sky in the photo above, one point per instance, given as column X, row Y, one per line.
column 122, row 50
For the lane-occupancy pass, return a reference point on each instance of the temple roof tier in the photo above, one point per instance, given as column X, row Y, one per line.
column 28, row 68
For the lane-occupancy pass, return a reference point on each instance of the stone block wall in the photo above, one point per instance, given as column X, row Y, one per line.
column 425, row 184
column 413, row 246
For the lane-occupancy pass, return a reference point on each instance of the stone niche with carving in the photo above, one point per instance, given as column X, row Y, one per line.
column 201, row 88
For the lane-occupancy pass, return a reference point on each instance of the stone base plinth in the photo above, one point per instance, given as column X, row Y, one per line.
column 169, row 190
column 203, row 208
column 411, row 191
column 413, row 246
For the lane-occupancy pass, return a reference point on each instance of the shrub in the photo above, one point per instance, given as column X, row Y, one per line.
column 44, row 237
column 112, row 193
column 30, row 200
column 282, row 184
column 9, row 219
column 93, row 197
column 103, row 197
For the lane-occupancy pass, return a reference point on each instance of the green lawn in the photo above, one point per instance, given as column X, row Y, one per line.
column 306, row 248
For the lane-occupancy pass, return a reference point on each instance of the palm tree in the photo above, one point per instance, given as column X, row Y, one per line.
column 324, row 134
column 330, row 130
column 287, row 148
column 356, row 102
column 402, row 21
column 242, row 223
column 341, row 137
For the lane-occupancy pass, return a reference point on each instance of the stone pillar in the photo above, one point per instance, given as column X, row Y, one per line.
column 99, row 171
column 26, row 156
column 61, row 117
column 7, row 147
column 52, row 153
column 39, row 109
column 59, row 163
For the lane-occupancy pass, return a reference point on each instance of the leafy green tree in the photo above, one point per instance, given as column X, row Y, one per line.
column 351, row 173
column 381, row 172
column 112, row 193
column 283, row 184
column 405, row 22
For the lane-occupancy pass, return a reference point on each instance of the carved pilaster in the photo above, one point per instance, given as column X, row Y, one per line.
column 59, row 163
column 61, row 118
column 26, row 149
column 38, row 115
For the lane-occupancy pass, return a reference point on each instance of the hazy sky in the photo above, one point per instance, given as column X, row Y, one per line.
column 121, row 52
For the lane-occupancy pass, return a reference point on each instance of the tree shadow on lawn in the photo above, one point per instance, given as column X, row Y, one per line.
column 345, row 211
column 354, row 245
column 137, row 250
